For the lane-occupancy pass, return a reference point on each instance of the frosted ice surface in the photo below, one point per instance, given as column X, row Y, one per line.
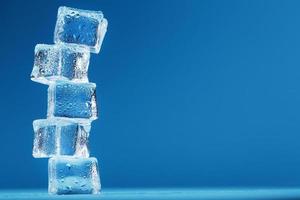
column 60, row 62
column 72, row 100
column 82, row 27
column 69, row 175
column 55, row 136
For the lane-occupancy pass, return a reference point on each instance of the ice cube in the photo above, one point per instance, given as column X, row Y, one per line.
column 71, row 175
column 55, row 136
column 72, row 100
column 60, row 62
column 82, row 27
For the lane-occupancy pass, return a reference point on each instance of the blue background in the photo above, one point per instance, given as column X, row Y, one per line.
column 191, row 93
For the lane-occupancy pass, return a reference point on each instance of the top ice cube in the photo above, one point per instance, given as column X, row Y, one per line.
column 82, row 27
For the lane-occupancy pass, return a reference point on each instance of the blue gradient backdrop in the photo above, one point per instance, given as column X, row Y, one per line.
column 191, row 93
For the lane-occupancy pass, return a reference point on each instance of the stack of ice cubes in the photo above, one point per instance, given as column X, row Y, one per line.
column 63, row 135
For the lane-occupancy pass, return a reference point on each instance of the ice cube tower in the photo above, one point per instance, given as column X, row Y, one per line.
column 63, row 135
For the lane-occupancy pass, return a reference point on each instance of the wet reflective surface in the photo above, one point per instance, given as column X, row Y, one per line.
column 161, row 194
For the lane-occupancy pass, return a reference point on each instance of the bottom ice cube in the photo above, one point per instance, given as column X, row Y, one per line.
column 71, row 175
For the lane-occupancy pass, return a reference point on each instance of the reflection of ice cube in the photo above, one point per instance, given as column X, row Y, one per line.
column 69, row 175
column 73, row 100
column 82, row 27
column 60, row 62
column 54, row 137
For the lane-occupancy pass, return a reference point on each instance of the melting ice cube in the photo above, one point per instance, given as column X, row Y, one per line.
column 55, row 137
column 72, row 100
column 60, row 62
column 69, row 175
column 82, row 27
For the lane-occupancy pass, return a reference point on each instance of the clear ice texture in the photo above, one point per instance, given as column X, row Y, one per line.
column 82, row 27
column 72, row 100
column 71, row 175
column 60, row 62
column 55, row 137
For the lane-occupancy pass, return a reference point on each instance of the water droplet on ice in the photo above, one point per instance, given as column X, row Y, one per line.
column 68, row 165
